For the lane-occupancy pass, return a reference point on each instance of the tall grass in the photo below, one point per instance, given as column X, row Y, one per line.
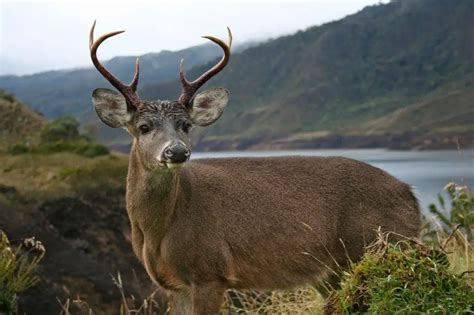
column 17, row 270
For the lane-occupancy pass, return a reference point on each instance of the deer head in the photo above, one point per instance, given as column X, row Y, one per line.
column 160, row 128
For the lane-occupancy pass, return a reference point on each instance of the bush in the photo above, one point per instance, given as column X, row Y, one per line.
column 81, row 147
column 19, row 148
column 61, row 135
column 65, row 128
column 407, row 277
column 17, row 270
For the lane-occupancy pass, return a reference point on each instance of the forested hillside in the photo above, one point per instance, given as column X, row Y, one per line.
column 404, row 68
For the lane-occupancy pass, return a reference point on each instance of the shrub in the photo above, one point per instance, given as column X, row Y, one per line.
column 65, row 128
column 81, row 147
column 407, row 277
column 19, row 148
column 17, row 270
column 61, row 135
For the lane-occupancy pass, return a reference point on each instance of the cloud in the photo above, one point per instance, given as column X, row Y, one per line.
column 45, row 35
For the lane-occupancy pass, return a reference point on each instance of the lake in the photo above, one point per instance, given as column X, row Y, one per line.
column 427, row 171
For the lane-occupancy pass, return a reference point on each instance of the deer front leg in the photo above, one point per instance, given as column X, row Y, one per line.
column 207, row 299
column 179, row 303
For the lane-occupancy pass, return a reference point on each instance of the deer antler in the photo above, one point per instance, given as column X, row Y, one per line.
column 189, row 88
column 128, row 91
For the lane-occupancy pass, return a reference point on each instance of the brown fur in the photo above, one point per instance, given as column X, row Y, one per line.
column 258, row 222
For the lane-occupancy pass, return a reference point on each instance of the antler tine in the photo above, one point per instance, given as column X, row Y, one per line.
column 190, row 88
column 129, row 91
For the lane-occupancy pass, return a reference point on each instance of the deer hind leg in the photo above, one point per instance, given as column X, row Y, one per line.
column 179, row 302
column 207, row 299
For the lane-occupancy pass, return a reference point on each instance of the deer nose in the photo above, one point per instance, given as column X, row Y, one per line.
column 176, row 153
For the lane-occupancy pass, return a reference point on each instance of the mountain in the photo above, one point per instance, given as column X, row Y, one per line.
column 364, row 76
column 67, row 92
column 394, row 75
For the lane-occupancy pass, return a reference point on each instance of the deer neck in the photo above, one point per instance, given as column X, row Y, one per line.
column 151, row 195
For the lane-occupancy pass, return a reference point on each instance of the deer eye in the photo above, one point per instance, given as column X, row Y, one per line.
column 144, row 129
column 185, row 127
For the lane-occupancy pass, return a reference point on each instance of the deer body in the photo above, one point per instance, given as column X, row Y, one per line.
column 202, row 227
column 259, row 223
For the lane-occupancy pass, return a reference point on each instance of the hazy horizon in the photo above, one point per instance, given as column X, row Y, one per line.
column 38, row 36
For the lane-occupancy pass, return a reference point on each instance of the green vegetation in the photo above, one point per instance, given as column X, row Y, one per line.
column 406, row 277
column 412, row 277
column 461, row 213
column 63, row 174
column 61, row 135
column 17, row 270
column 62, row 129
column 23, row 131
column 82, row 147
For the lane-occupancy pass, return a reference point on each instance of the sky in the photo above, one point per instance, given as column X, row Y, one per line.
column 44, row 35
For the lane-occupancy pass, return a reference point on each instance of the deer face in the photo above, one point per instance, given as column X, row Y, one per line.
column 160, row 128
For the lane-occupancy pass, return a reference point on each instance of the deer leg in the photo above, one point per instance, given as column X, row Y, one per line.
column 179, row 303
column 207, row 299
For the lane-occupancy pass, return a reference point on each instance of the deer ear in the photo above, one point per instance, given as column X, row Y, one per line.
column 208, row 106
column 111, row 107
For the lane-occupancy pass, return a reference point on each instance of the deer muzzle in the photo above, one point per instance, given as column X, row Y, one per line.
column 175, row 153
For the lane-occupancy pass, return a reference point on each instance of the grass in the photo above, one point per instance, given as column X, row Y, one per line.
column 61, row 174
column 18, row 123
column 381, row 283
column 303, row 300
column 17, row 270
column 407, row 277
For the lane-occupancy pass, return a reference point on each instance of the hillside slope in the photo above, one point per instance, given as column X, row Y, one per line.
column 446, row 113
column 329, row 80
column 17, row 122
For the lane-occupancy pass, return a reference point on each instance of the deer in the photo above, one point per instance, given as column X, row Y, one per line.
column 204, row 226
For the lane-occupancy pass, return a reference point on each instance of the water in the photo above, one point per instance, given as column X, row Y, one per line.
column 427, row 171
